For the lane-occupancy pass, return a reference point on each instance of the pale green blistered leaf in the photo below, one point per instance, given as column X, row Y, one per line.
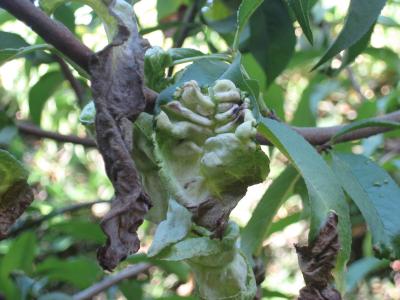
column 363, row 124
column 10, row 54
column 88, row 114
column 301, row 9
column 246, row 9
column 41, row 91
column 260, row 222
column 324, row 190
column 156, row 60
column 376, row 195
column 360, row 269
column 191, row 247
column 361, row 16
column 175, row 228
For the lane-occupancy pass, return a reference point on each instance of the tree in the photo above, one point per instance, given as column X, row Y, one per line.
column 182, row 135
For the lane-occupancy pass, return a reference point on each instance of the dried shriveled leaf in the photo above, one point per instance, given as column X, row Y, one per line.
column 15, row 193
column 317, row 261
column 117, row 85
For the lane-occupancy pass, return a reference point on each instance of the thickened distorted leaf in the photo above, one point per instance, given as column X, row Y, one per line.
column 376, row 195
column 325, row 193
column 245, row 11
column 173, row 229
column 360, row 269
column 272, row 38
column 363, row 124
column 361, row 16
column 41, row 91
column 15, row 193
column 254, row 232
column 301, row 9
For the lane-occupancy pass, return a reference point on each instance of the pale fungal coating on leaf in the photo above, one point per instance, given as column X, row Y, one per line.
column 205, row 148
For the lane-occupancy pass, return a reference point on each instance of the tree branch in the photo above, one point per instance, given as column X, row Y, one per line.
column 33, row 130
column 51, row 31
column 109, row 281
column 320, row 135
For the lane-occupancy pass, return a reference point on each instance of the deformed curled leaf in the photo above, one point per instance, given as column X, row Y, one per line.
column 317, row 261
column 15, row 193
column 117, row 86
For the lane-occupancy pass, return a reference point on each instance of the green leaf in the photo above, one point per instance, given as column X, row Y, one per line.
column 11, row 171
column 363, row 124
column 132, row 289
column 41, row 91
column 80, row 272
column 272, row 38
column 245, row 11
column 9, row 40
column 80, row 230
column 352, row 53
column 361, row 16
column 55, row 296
column 376, row 195
column 274, row 98
column 9, row 54
column 324, row 190
column 301, row 9
column 284, row 222
column 175, row 228
column 360, row 269
column 254, row 232
column 181, row 53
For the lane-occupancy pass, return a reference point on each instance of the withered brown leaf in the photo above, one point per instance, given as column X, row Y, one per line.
column 317, row 261
column 117, row 86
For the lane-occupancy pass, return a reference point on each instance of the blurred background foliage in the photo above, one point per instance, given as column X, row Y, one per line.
column 51, row 249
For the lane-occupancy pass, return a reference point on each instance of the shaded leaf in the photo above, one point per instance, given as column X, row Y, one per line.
column 361, row 16
column 88, row 114
column 360, row 269
column 254, row 232
column 10, row 54
column 301, row 9
column 272, row 38
column 9, row 40
column 317, row 261
column 325, row 193
column 15, row 193
column 376, row 195
column 245, row 11
column 41, row 91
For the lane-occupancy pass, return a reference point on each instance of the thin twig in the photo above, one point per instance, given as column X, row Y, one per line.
column 111, row 280
column 51, row 31
column 33, row 130
column 354, row 83
column 75, row 84
column 30, row 224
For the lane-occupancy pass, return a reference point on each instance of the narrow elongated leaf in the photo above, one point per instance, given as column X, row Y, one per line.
column 41, row 92
column 246, row 9
column 9, row 54
column 324, row 190
column 363, row 124
column 272, row 38
column 352, row 53
column 260, row 222
column 376, row 195
column 361, row 16
column 301, row 9
column 360, row 269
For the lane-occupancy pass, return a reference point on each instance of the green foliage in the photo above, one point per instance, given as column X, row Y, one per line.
column 257, row 45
